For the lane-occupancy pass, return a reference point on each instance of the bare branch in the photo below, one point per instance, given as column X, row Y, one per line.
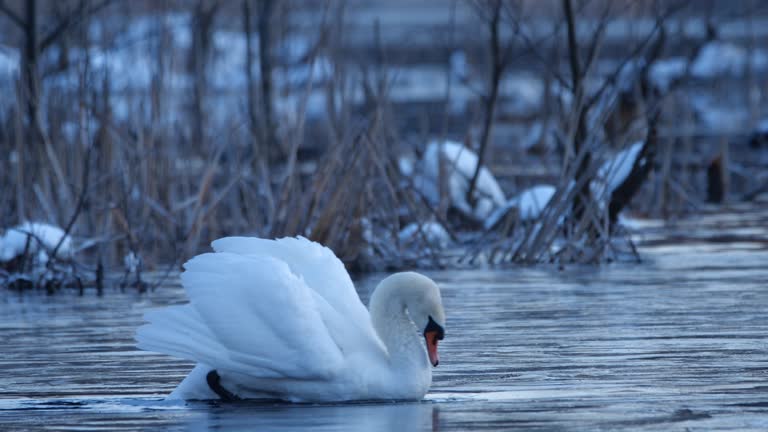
column 81, row 200
column 655, row 51
column 269, row 136
column 497, row 69
column 533, row 47
column 597, row 39
column 611, row 80
column 641, row 167
column 71, row 20
column 13, row 16
column 573, row 46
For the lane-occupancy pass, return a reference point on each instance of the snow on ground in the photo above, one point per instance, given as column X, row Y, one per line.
column 762, row 126
column 716, row 59
column 664, row 72
column 628, row 74
column 407, row 165
column 537, row 135
column 299, row 75
column 637, row 223
column 458, row 65
column 529, row 204
column 228, row 65
column 434, row 233
column 758, row 140
column 228, row 69
column 718, row 116
column 44, row 238
column 614, row 171
column 9, row 62
column 117, row 64
column 532, row 201
column 458, row 164
column 522, row 94
column 723, row 58
column 417, row 84
column 132, row 262
column 9, row 69
column 127, row 57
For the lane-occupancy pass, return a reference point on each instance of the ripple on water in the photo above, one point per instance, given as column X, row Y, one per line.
column 676, row 343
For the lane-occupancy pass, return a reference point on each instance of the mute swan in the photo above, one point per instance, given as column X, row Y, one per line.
column 280, row 319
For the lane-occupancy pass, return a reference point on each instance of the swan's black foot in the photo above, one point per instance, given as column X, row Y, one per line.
column 214, row 382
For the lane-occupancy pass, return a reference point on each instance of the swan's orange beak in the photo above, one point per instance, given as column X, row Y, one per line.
column 432, row 339
column 433, row 333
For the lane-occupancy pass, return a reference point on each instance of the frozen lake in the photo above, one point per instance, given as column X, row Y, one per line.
column 679, row 342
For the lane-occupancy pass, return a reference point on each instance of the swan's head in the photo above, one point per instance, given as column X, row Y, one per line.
column 420, row 297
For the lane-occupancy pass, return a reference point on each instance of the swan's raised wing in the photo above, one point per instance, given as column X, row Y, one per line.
column 247, row 314
column 323, row 272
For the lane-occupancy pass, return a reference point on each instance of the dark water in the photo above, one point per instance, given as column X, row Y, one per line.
column 678, row 342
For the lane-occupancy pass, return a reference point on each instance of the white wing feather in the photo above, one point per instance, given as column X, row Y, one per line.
column 248, row 314
column 323, row 273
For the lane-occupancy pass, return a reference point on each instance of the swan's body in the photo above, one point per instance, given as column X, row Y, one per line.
column 280, row 319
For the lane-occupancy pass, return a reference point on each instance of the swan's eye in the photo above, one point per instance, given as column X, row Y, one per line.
column 432, row 326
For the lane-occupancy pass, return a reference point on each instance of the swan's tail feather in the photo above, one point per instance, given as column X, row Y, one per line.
column 178, row 331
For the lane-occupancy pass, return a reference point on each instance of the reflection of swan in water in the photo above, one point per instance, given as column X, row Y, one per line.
column 383, row 417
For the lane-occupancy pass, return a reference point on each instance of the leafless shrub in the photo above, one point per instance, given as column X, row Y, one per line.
column 158, row 169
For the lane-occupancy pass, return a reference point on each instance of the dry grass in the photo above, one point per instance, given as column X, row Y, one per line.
column 163, row 181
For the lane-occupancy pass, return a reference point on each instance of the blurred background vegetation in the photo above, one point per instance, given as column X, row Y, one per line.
column 146, row 129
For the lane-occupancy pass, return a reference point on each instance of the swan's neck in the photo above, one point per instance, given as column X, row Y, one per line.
column 405, row 346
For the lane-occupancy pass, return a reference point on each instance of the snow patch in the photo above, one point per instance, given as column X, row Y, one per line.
column 9, row 62
column 43, row 238
column 522, row 95
column 614, row 171
column 457, row 164
column 434, row 233
column 529, row 204
column 664, row 72
column 459, row 65
column 722, row 58
column 406, row 165
column 717, row 116
column 537, row 134
column 762, row 126
column 132, row 262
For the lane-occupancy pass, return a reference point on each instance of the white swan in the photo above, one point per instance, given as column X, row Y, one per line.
column 280, row 319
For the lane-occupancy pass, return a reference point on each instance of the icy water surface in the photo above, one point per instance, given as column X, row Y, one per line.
column 678, row 342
